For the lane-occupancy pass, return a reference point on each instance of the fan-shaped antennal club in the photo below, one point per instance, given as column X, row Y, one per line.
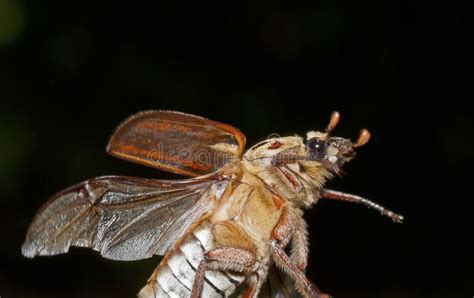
column 364, row 137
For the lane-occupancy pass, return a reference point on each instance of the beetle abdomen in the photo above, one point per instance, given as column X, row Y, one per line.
column 174, row 277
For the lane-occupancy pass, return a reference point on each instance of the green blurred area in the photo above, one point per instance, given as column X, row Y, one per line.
column 71, row 71
column 12, row 21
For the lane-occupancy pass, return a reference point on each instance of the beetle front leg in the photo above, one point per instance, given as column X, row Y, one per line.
column 299, row 244
column 283, row 229
column 341, row 196
column 291, row 226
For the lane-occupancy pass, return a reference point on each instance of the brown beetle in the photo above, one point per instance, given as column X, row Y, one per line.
column 225, row 231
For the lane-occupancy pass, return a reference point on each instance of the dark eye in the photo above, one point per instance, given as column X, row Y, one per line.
column 316, row 148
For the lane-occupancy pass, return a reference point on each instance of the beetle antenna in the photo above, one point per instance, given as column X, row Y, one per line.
column 364, row 137
column 335, row 116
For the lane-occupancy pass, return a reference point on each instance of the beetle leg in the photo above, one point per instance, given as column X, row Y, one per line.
column 254, row 287
column 225, row 258
column 291, row 226
column 299, row 244
column 341, row 196
column 303, row 285
column 283, row 229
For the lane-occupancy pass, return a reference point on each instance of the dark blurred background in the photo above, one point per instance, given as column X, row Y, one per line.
column 72, row 70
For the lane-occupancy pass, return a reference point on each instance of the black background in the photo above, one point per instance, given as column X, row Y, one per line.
column 71, row 70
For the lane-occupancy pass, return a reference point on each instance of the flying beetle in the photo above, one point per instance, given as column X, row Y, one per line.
column 234, row 227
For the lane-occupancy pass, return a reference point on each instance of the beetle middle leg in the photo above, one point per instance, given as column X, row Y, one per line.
column 302, row 283
column 292, row 226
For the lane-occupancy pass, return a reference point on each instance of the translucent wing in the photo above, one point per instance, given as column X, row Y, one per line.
column 176, row 142
column 123, row 218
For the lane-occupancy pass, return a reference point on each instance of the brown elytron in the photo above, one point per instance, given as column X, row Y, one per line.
column 224, row 232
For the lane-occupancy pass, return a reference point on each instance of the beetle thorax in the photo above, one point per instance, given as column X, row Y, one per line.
column 282, row 165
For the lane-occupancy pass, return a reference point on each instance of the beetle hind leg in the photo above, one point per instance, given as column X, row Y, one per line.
column 225, row 258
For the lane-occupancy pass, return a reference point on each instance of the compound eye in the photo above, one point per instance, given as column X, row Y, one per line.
column 316, row 148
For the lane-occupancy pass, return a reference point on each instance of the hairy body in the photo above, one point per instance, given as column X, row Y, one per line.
column 261, row 207
column 235, row 226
